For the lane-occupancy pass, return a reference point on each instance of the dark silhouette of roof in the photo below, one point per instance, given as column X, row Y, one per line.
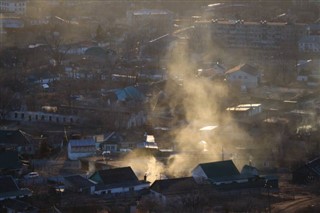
column 19, row 206
column 314, row 165
column 244, row 68
column 174, row 186
column 7, row 184
column 96, row 51
column 114, row 176
column 79, row 181
column 219, row 169
column 9, row 160
column 14, row 137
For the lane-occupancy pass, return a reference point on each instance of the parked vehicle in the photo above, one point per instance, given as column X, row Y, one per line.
column 31, row 175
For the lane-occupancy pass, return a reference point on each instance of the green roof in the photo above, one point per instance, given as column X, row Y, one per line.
column 219, row 169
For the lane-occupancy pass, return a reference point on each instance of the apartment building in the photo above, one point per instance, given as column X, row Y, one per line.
column 13, row 6
column 252, row 35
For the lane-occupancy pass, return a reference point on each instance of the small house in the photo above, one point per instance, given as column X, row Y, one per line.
column 118, row 180
column 244, row 76
column 81, row 148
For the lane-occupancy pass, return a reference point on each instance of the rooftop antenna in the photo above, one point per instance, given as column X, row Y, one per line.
column 222, row 154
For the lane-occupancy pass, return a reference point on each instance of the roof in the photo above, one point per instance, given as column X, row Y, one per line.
column 174, row 186
column 314, row 165
column 19, row 206
column 79, row 181
column 129, row 93
column 96, row 51
column 82, row 142
column 114, row 176
column 219, row 169
column 17, row 137
column 7, row 184
column 9, row 160
column 244, row 68
column 150, row 12
column 249, row 170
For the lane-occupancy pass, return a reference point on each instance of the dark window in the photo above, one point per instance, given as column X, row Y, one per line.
column 15, row 115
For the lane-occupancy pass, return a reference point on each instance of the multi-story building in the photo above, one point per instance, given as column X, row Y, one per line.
column 13, row 6
column 252, row 35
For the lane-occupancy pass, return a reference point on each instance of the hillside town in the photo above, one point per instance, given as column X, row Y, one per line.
column 159, row 106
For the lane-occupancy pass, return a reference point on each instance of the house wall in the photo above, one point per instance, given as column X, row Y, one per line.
column 199, row 175
column 18, row 7
column 122, row 189
column 243, row 79
column 29, row 116
column 74, row 153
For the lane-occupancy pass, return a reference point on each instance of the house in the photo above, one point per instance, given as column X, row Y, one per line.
column 244, row 76
column 149, row 143
column 307, row 173
column 245, row 110
column 216, row 172
column 10, row 190
column 173, row 189
column 118, row 180
column 224, row 176
column 17, row 140
column 10, row 162
column 77, row 183
column 109, row 141
column 81, row 148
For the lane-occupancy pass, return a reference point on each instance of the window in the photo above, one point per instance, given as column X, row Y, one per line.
column 15, row 115
column 22, row 115
column 50, row 118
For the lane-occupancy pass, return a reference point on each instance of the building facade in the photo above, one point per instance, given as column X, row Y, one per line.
column 13, row 6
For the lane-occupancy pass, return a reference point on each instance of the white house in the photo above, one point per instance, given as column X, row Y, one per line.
column 81, row 148
column 244, row 76
column 246, row 110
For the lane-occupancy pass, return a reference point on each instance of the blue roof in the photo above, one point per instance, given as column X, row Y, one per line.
column 82, row 142
column 129, row 93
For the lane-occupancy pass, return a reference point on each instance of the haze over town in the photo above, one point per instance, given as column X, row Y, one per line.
column 159, row 106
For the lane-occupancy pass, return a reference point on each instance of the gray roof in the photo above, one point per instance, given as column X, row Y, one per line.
column 220, row 170
column 79, row 181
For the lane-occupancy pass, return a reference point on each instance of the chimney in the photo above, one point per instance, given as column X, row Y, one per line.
column 145, row 177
